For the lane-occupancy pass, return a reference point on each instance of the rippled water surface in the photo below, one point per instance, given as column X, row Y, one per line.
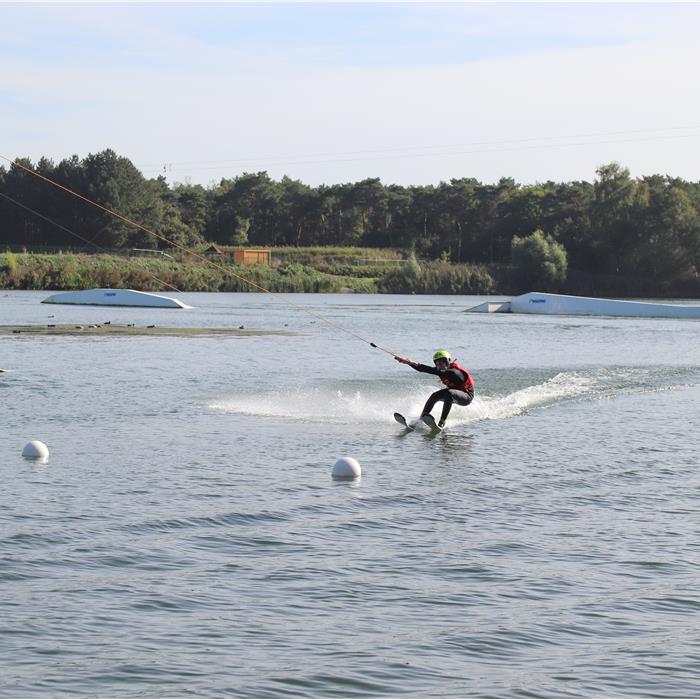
column 185, row 537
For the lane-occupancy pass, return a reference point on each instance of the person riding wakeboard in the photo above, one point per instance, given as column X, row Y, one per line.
column 459, row 385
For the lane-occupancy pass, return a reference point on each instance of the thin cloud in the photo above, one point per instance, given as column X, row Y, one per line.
column 157, row 93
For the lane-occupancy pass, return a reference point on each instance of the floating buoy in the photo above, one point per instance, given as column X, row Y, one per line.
column 346, row 468
column 35, row 450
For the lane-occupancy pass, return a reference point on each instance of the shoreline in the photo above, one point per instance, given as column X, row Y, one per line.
column 129, row 329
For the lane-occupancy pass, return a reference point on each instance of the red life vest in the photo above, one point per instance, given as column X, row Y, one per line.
column 467, row 385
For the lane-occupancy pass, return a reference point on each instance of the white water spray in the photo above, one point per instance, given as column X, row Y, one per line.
column 375, row 403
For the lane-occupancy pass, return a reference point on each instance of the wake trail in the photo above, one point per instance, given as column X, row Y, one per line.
column 371, row 402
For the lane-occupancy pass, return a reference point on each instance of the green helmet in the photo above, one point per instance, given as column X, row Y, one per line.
column 442, row 355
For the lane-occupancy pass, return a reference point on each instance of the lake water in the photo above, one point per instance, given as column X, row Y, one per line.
column 186, row 538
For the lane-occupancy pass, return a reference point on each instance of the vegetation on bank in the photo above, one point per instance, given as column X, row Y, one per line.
column 616, row 235
column 326, row 273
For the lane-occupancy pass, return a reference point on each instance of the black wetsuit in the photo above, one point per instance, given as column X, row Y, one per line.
column 447, row 396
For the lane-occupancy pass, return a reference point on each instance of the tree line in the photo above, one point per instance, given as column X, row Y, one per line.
column 644, row 228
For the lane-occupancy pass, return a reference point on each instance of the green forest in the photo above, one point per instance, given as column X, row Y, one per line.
column 616, row 235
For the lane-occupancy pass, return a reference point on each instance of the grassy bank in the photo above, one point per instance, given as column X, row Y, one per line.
column 293, row 270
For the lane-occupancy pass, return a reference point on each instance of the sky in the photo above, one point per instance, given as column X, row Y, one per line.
column 412, row 93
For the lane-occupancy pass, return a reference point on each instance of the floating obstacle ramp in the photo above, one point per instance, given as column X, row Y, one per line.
column 564, row 305
column 492, row 307
column 115, row 297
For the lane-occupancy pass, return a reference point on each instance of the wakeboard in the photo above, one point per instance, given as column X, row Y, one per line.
column 430, row 422
column 400, row 419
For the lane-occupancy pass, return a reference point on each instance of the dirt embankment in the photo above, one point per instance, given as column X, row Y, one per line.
column 130, row 329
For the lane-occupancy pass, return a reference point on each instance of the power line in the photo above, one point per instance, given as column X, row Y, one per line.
column 415, row 151
column 434, row 155
column 193, row 253
column 77, row 235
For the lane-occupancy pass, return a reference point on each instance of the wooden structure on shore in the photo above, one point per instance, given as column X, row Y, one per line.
column 252, row 256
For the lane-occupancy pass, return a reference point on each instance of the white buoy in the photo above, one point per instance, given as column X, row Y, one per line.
column 346, row 468
column 35, row 450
